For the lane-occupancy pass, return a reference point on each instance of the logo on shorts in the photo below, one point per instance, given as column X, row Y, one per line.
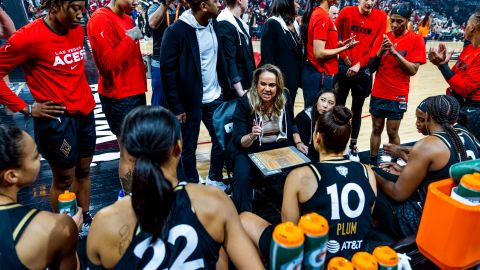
column 65, row 148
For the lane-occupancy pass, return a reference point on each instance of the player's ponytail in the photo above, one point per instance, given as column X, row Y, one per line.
column 149, row 134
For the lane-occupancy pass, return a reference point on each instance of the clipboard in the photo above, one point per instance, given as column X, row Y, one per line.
column 276, row 161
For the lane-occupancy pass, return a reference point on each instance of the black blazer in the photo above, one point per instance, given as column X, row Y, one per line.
column 239, row 59
column 280, row 49
column 181, row 69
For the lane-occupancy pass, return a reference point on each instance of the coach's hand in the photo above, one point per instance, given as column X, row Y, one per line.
column 352, row 71
column 47, row 109
column 182, row 118
column 135, row 33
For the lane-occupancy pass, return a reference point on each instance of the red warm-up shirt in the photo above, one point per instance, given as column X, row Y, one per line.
column 53, row 65
column 391, row 82
column 118, row 57
column 466, row 80
column 368, row 29
column 321, row 27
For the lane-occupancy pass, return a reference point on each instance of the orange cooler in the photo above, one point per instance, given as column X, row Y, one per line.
column 449, row 232
column 386, row 257
column 339, row 263
column 364, row 261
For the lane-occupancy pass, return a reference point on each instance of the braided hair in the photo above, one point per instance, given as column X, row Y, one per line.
column 51, row 4
column 445, row 110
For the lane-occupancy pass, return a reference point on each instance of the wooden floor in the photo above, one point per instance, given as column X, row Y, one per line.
column 427, row 82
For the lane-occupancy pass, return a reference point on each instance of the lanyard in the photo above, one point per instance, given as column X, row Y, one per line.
column 176, row 14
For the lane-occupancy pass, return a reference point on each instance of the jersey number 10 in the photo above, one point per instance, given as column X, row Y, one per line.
column 350, row 187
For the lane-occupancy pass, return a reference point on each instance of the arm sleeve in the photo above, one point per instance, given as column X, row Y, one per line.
column 108, row 56
column 469, row 83
column 240, row 121
column 268, row 44
column 446, row 71
column 169, row 54
column 230, row 50
column 12, row 54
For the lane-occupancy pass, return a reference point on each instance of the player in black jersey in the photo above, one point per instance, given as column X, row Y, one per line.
column 165, row 224
column 30, row 239
column 399, row 205
column 341, row 190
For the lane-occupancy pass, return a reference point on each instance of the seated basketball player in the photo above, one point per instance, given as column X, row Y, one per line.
column 31, row 239
column 341, row 190
column 165, row 224
column 404, row 189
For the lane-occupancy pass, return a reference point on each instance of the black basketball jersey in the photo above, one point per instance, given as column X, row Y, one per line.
column 183, row 244
column 472, row 147
column 14, row 218
column 344, row 197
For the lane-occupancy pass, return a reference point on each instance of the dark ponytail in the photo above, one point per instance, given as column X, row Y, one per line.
column 335, row 128
column 311, row 5
column 149, row 135
column 444, row 110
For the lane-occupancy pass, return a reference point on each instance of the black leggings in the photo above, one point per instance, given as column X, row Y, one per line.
column 361, row 86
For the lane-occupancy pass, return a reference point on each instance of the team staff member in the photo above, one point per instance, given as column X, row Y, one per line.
column 237, row 46
column 26, row 232
column 401, row 54
column 341, row 190
column 51, row 52
column 116, row 51
column 368, row 25
column 160, row 16
column 185, row 225
column 464, row 77
column 322, row 49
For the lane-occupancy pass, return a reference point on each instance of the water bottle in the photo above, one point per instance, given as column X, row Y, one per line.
column 364, row 261
column 386, row 257
column 458, row 170
column 468, row 191
column 67, row 203
column 339, row 263
column 286, row 250
column 315, row 228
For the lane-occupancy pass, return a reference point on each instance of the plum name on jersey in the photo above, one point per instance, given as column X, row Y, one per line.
column 347, row 228
column 69, row 56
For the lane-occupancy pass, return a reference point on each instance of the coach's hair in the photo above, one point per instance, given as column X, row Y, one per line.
column 10, row 148
column 149, row 134
column 284, row 9
column 445, row 110
column 256, row 101
column 335, row 128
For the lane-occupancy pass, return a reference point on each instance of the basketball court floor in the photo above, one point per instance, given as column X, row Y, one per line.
column 104, row 170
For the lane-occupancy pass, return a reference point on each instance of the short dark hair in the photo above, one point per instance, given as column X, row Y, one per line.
column 284, row 9
column 335, row 128
column 195, row 4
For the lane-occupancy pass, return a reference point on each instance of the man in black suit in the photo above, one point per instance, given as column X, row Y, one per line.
column 193, row 76
column 237, row 46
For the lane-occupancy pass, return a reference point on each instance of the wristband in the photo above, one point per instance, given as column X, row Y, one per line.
column 297, row 143
column 29, row 114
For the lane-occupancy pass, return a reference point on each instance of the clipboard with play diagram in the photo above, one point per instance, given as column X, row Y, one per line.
column 276, row 161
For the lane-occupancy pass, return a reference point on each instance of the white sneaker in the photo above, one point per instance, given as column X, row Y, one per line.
column 353, row 154
column 217, row 184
